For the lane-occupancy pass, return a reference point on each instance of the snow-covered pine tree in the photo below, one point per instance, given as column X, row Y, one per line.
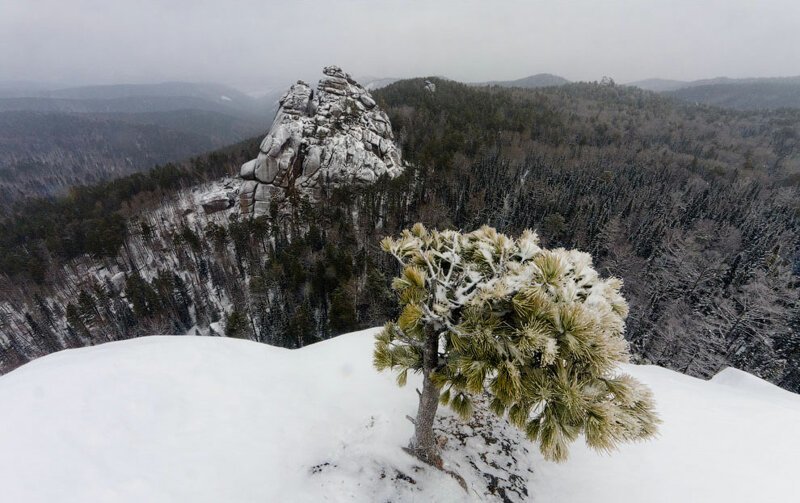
column 537, row 330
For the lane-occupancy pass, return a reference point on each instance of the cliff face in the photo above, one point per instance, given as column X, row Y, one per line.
column 320, row 138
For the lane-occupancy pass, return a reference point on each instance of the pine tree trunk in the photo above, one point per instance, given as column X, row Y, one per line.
column 423, row 444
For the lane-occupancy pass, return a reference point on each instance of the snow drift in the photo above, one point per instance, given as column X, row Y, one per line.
column 196, row 419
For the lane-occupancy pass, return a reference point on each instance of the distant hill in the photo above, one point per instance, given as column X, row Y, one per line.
column 371, row 83
column 18, row 88
column 659, row 85
column 220, row 129
column 54, row 139
column 269, row 101
column 739, row 94
column 44, row 154
column 752, row 94
column 138, row 98
column 530, row 82
column 200, row 90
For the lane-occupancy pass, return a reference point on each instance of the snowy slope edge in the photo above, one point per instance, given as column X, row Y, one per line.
column 214, row 419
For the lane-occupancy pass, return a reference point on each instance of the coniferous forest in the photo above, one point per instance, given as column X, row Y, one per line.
column 696, row 208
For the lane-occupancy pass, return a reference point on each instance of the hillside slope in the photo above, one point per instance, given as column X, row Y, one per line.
column 737, row 94
column 193, row 419
column 755, row 94
column 137, row 98
column 51, row 140
column 43, row 154
column 658, row 85
column 529, row 82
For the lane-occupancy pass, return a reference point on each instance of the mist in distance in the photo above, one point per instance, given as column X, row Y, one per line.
column 258, row 45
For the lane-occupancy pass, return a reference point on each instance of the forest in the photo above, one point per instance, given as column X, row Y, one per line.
column 696, row 208
column 44, row 153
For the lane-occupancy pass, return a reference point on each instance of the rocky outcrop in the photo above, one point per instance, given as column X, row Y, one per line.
column 320, row 138
column 219, row 202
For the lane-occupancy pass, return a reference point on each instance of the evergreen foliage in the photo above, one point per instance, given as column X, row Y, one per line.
column 236, row 325
column 92, row 219
column 537, row 330
column 343, row 311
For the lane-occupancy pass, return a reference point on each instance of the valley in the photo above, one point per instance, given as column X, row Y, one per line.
column 653, row 189
column 348, row 251
column 51, row 141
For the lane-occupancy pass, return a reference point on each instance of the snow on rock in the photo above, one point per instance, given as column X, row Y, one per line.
column 213, row 197
column 333, row 135
column 216, row 200
column 216, row 328
column 748, row 383
column 208, row 419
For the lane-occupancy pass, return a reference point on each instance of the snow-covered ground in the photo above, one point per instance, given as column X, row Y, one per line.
column 205, row 419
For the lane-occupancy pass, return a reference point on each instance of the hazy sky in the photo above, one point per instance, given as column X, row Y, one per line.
column 254, row 44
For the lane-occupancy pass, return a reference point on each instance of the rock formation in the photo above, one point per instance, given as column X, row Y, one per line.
column 330, row 136
column 217, row 200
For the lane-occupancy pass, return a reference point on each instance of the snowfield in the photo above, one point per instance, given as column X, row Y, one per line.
column 207, row 419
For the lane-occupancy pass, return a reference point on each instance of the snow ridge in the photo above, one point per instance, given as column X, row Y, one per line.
column 209, row 419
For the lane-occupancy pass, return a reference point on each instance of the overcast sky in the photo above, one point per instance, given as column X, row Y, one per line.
column 254, row 44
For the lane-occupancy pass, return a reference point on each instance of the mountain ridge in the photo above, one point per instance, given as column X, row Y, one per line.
column 70, row 148
column 761, row 93
column 46, row 153
column 659, row 84
column 529, row 82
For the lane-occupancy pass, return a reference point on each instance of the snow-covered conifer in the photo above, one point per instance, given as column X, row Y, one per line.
column 537, row 330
